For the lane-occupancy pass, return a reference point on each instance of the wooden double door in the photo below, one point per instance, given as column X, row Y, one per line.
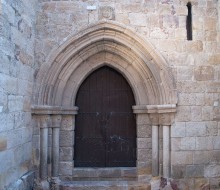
column 105, row 132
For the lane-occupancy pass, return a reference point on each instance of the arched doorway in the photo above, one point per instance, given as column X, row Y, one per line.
column 105, row 132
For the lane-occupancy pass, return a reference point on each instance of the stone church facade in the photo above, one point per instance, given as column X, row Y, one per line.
column 168, row 53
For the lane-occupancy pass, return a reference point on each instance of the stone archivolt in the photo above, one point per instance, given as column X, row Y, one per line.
column 106, row 43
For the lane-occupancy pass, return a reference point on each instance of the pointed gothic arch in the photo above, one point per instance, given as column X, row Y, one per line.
column 119, row 47
column 112, row 44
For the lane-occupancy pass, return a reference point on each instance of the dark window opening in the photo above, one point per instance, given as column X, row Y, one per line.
column 189, row 21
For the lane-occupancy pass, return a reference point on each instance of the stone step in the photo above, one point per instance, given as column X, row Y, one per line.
column 104, row 185
column 104, row 174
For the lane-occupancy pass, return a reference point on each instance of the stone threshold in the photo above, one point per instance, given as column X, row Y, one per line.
column 101, row 174
column 104, row 185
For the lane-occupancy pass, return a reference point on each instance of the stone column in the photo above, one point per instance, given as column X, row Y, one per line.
column 56, row 123
column 155, row 150
column 166, row 151
column 44, row 124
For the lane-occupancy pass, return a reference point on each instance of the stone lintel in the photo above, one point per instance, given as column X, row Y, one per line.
column 54, row 110
column 158, row 114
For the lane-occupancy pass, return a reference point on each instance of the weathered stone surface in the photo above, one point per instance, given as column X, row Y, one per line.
column 33, row 32
column 212, row 171
column 195, row 129
column 180, row 158
column 204, row 73
column 178, row 171
column 195, row 171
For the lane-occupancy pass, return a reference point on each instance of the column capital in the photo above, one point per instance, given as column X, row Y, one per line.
column 56, row 121
column 43, row 121
column 161, row 118
column 166, row 119
column 158, row 114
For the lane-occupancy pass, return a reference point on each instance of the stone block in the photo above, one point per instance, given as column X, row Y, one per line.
column 66, row 138
column 216, row 142
column 182, row 11
column 207, row 113
column 195, row 171
column 8, row 157
column 184, row 73
column 138, row 19
column 191, row 87
column 170, row 21
column 212, row 128
column 214, row 59
column 195, row 129
column 213, row 87
column 204, row 73
column 202, row 157
column 178, row 171
column 212, row 171
column 182, row 157
column 66, row 153
column 188, row 143
column 167, row 45
column 9, row 84
column 215, row 156
column 194, row 46
column 180, row 33
column 183, row 114
column 68, row 122
column 144, row 131
column 210, row 23
column 66, row 168
column 144, row 155
column 164, row 9
column 196, row 113
column 175, row 144
column 144, row 143
column 15, row 103
column 178, row 129
column 7, row 121
column 143, row 119
column 24, row 88
column 204, row 143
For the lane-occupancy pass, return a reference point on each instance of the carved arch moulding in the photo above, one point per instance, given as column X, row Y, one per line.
column 117, row 46
column 103, row 43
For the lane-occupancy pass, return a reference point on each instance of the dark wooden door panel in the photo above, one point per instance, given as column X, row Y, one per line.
column 105, row 133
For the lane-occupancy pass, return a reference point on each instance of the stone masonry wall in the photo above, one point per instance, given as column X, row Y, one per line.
column 195, row 65
column 17, row 36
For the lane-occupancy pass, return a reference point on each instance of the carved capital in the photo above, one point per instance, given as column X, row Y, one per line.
column 154, row 118
column 56, row 121
column 166, row 118
column 43, row 121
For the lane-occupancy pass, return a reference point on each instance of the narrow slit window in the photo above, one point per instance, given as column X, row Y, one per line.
column 189, row 21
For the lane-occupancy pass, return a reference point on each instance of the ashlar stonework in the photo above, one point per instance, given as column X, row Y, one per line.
column 48, row 49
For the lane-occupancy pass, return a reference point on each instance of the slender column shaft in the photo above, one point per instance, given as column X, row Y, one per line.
column 155, row 150
column 166, row 151
column 43, row 152
column 55, row 152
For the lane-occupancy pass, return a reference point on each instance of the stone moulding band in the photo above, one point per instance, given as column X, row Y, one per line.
column 54, row 110
column 166, row 108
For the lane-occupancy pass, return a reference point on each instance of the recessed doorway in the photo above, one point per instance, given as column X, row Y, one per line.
column 105, row 131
